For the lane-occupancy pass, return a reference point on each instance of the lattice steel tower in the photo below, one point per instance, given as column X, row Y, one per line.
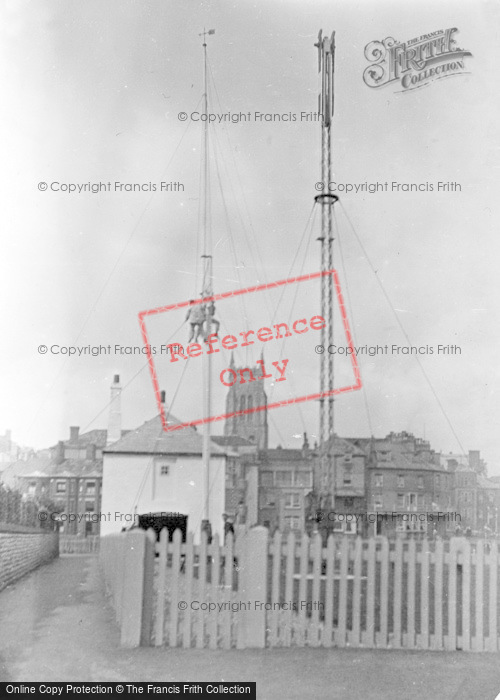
column 325, row 475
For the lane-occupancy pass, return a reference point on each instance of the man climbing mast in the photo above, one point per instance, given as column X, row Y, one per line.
column 209, row 320
column 196, row 318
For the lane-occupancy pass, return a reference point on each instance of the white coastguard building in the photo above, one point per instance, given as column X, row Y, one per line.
column 150, row 471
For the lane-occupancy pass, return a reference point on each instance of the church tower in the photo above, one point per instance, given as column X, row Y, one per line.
column 244, row 396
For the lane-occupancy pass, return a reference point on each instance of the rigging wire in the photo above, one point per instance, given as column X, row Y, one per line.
column 350, row 307
column 217, row 147
column 242, row 220
column 280, row 436
column 398, row 321
column 231, row 240
column 310, row 224
column 125, row 386
column 168, row 412
column 108, row 279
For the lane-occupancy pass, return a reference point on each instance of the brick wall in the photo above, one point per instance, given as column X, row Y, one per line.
column 20, row 553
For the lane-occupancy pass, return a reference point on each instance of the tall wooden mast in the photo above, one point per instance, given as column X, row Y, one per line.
column 207, row 292
column 325, row 477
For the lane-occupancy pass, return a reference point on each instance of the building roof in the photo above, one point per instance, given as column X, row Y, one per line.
column 37, row 468
column 390, row 455
column 150, row 438
column 344, row 446
column 97, row 437
column 22, row 467
column 279, row 454
column 232, row 441
column 86, row 468
column 486, row 483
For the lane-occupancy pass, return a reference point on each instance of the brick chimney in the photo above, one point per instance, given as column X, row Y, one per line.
column 73, row 433
column 115, row 412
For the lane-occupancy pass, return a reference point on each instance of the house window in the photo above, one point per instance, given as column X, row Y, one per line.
column 303, row 478
column 61, row 487
column 292, row 500
column 292, row 522
column 90, row 487
column 400, row 500
column 89, row 506
column 379, row 480
column 401, row 481
column 437, row 481
column 420, row 482
column 411, row 501
column 283, row 478
column 164, row 469
column 348, row 475
column 377, row 502
column 266, row 479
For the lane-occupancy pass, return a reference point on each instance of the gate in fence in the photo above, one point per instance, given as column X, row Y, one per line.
column 259, row 592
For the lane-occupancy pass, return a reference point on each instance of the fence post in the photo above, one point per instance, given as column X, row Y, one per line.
column 253, row 588
column 137, row 589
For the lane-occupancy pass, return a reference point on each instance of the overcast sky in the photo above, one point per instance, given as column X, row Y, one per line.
column 92, row 94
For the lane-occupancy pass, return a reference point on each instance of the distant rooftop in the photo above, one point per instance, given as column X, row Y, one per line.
column 150, row 438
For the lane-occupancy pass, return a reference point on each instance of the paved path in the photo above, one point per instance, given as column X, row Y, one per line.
column 56, row 625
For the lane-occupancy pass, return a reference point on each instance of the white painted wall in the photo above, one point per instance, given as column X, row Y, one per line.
column 133, row 484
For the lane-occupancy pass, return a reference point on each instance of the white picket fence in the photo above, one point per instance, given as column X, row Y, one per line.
column 282, row 591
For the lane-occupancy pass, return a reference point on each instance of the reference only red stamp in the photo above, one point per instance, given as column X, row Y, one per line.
column 281, row 351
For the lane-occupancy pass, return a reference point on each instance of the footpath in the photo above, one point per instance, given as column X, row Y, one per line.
column 57, row 625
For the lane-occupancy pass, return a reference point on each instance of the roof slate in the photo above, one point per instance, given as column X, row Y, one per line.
column 150, row 438
column 38, row 467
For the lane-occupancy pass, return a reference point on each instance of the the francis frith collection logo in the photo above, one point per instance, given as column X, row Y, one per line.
column 414, row 63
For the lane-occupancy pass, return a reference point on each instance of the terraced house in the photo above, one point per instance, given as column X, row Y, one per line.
column 407, row 487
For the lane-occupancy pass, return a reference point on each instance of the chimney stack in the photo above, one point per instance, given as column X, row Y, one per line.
column 73, row 433
column 115, row 412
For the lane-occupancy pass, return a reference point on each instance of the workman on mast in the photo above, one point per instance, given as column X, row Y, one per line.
column 209, row 320
column 196, row 318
